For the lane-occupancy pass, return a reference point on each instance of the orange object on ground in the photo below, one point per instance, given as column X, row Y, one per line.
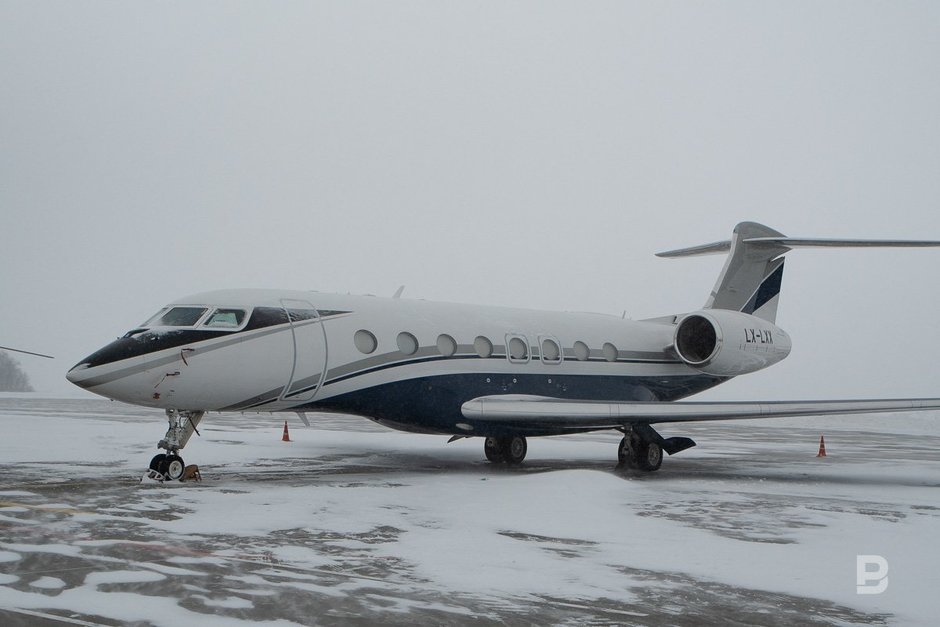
column 286, row 436
column 821, row 453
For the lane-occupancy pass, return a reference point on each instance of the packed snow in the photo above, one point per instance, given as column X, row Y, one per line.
column 352, row 521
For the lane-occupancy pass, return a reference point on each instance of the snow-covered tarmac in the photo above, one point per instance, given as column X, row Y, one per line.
column 352, row 523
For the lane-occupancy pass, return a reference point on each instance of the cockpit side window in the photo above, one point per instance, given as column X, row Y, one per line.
column 225, row 319
column 266, row 317
column 297, row 315
column 177, row 317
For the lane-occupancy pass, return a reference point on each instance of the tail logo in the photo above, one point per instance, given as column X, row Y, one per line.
column 769, row 288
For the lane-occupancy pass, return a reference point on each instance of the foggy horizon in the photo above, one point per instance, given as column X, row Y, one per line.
column 520, row 154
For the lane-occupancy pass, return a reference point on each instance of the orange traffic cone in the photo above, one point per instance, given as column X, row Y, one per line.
column 822, row 446
column 286, row 436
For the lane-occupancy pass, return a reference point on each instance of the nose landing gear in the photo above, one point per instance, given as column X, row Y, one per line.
column 183, row 424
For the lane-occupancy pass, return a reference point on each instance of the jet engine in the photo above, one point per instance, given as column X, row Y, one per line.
column 727, row 343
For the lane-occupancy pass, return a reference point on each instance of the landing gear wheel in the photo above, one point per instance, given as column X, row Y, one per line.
column 173, row 467
column 625, row 454
column 650, row 456
column 157, row 461
column 514, row 449
column 493, row 450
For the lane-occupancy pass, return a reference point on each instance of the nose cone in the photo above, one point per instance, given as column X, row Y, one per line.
column 103, row 373
column 94, row 369
column 124, row 369
column 75, row 374
column 79, row 374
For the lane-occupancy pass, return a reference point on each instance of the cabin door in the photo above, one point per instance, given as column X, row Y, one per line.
column 309, row 368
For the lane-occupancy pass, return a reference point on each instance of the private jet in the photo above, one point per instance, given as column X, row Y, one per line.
column 464, row 371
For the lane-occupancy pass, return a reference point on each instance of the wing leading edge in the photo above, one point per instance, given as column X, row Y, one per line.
column 535, row 411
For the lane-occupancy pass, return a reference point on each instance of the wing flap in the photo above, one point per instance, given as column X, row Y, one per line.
column 565, row 414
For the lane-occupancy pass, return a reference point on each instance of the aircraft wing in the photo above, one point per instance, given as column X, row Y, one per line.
column 17, row 350
column 539, row 411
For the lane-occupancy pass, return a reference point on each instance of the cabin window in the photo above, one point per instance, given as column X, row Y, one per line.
column 610, row 352
column 365, row 341
column 551, row 352
column 483, row 346
column 407, row 343
column 446, row 345
column 225, row 319
column 177, row 317
column 518, row 348
column 581, row 351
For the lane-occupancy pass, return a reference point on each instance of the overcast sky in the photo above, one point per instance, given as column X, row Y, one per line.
column 508, row 153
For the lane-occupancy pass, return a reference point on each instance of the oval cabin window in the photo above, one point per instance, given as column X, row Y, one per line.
column 407, row 343
column 581, row 351
column 518, row 350
column 446, row 345
column 365, row 341
column 610, row 352
column 551, row 353
column 483, row 346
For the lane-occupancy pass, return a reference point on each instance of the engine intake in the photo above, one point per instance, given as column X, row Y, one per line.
column 722, row 342
column 696, row 340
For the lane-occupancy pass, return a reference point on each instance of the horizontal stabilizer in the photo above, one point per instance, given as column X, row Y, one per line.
column 564, row 414
column 715, row 248
column 798, row 242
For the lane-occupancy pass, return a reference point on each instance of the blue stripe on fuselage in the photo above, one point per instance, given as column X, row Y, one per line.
column 432, row 404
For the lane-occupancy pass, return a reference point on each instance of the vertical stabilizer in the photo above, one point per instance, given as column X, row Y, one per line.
column 751, row 279
column 753, row 273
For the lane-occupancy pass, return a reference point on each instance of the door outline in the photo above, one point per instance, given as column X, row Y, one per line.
column 310, row 394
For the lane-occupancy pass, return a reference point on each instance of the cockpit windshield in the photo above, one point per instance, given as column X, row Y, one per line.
column 177, row 317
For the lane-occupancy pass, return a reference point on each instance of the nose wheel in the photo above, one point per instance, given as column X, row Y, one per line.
column 170, row 466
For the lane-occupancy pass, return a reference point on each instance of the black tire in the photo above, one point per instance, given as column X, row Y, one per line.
column 157, row 461
column 650, row 456
column 493, row 450
column 173, row 467
column 626, row 452
column 514, row 449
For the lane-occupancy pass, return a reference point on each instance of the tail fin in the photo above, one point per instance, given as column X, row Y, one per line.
column 753, row 273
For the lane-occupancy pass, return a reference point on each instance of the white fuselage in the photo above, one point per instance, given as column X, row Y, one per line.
column 406, row 363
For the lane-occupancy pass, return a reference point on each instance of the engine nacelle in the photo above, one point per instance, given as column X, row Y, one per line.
column 727, row 343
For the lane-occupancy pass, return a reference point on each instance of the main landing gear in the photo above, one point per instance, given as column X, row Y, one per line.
column 182, row 425
column 634, row 452
column 642, row 448
column 508, row 449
